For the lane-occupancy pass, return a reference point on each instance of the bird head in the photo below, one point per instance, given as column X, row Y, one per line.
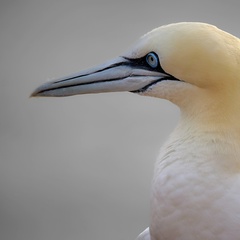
column 185, row 63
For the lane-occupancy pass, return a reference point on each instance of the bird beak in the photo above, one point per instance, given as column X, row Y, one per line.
column 120, row 74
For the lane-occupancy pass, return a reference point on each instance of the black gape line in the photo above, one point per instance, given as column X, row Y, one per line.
column 153, row 83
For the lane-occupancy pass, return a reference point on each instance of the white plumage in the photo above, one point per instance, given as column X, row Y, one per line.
column 196, row 184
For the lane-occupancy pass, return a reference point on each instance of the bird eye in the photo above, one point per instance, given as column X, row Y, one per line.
column 152, row 60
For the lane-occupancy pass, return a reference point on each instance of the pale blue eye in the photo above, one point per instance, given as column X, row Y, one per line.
column 152, row 60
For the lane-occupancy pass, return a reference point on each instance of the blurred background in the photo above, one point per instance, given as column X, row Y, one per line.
column 81, row 167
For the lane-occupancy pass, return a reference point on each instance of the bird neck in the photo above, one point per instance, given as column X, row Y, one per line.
column 211, row 143
column 199, row 152
column 212, row 111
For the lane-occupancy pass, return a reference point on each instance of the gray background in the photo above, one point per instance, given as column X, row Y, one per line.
column 81, row 167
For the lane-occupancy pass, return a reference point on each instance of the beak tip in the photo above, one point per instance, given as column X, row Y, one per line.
column 37, row 93
column 33, row 94
column 42, row 90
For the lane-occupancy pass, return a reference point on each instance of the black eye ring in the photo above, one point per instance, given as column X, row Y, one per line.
column 152, row 59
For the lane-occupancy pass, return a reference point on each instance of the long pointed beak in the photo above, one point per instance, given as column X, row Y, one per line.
column 120, row 74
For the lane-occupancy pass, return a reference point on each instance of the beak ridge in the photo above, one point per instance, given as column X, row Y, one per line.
column 120, row 74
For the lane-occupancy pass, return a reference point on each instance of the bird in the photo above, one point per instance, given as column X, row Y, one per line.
column 195, row 192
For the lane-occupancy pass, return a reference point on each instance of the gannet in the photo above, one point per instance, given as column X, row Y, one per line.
column 196, row 184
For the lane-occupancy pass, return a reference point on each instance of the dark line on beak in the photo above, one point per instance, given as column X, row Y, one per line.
column 100, row 70
column 81, row 84
column 137, row 63
column 169, row 78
